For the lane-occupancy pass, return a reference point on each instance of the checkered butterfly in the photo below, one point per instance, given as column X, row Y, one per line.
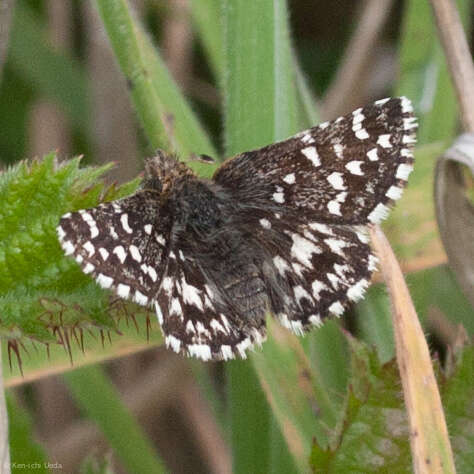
column 282, row 229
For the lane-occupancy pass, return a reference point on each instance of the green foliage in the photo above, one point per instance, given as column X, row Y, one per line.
column 100, row 401
column 40, row 289
column 373, row 432
column 25, row 452
column 325, row 388
column 458, row 400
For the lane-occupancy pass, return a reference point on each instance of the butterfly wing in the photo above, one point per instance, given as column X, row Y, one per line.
column 347, row 171
column 122, row 244
column 196, row 316
column 319, row 269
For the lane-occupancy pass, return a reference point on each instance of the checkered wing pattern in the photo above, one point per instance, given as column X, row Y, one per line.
column 281, row 229
column 122, row 244
column 348, row 171
column 197, row 317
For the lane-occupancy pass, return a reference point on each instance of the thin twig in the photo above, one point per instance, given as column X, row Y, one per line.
column 458, row 57
column 430, row 445
column 356, row 58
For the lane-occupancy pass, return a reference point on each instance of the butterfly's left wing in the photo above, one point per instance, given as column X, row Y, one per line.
column 347, row 171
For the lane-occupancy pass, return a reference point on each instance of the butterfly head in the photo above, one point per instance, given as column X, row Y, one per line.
column 162, row 171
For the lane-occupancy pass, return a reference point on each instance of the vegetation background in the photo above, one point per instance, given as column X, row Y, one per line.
column 113, row 80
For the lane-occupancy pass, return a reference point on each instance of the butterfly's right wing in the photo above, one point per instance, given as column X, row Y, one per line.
column 196, row 317
column 123, row 244
column 347, row 171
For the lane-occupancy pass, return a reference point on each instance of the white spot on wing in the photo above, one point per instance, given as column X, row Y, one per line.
column 104, row 253
column 68, row 247
column 362, row 134
column 336, row 181
column 140, row 298
column 120, row 252
column 281, row 265
column 336, row 246
column 201, row 351
column 191, row 294
column 104, row 281
column 356, row 291
column 226, row 352
column 384, row 141
column 123, row 290
column 265, row 223
column 147, row 228
column 136, row 255
column 302, row 249
column 334, row 207
column 289, row 178
column 90, row 248
column 173, row 342
column 354, row 167
column 372, row 155
column 124, row 221
column 394, row 192
column 317, row 287
column 382, row 101
column 88, row 268
column 159, row 313
column 312, row 154
column 301, row 293
column 279, row 197
column 380, row 212
column 336, row 308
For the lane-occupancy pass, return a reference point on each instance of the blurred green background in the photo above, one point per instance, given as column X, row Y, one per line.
column 113, row 80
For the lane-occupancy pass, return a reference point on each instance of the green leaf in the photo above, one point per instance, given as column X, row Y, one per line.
column 424, row 75
column 99, row 399
column 458, row 400
column 52, row 74
column 41, row 289
column 167, row 119
column 260, row 108
column 26, row 454
column 372, row 435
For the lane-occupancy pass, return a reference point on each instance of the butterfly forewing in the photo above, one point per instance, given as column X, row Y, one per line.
column 122, row 244
column 347, row 171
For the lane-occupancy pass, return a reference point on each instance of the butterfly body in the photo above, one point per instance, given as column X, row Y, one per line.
column 279, row 230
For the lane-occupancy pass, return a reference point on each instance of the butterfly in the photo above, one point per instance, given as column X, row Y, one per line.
column 280, row 230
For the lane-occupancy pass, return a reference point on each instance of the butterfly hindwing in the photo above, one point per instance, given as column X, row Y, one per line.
column 320, row 270
column 347, row 171
column 196, row 318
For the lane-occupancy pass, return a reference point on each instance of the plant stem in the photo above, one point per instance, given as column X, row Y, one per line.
column 430, row 445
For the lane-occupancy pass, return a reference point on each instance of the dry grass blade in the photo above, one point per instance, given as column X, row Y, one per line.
column 340, row 97
column 458, row 57
column 453, row 210
column 431, row 448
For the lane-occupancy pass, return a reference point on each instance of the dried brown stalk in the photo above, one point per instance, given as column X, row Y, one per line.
column 430, row 445
column 356, row 59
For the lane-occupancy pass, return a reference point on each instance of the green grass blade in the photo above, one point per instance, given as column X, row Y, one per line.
column 260, row 100
column 25, row 452
column 166, row 117
column 207, row 21
column 50, row 73
column 424, row 76
column 100, row 401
